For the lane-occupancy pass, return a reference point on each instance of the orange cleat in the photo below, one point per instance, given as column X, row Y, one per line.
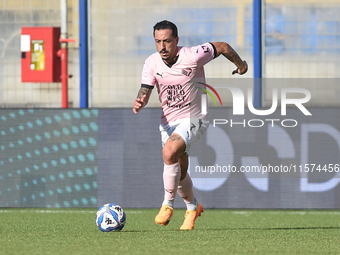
column 190, row 218
column 164, row 216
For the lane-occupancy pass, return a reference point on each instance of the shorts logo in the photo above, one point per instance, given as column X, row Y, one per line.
column 211, row 88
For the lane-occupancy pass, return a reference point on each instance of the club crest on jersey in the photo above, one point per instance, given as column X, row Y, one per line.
column 187, row 71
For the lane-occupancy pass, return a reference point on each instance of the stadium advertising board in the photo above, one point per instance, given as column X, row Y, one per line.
column 232, row 167
column 85, row 158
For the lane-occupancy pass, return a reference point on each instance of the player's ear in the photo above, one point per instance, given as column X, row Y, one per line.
column 177, row 39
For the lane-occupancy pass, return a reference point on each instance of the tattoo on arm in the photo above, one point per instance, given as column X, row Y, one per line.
column 143, row 91
column 233, row 57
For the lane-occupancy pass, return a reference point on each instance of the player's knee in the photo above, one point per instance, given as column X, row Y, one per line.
column 169, row 156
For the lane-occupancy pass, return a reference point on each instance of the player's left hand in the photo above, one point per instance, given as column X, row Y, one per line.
column 243, row 70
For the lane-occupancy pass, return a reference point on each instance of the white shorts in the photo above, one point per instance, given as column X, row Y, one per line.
column 190, row 130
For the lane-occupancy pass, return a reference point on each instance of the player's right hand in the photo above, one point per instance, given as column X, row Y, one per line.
column 139, row 104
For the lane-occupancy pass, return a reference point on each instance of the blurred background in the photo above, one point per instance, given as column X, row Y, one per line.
column 301, row 40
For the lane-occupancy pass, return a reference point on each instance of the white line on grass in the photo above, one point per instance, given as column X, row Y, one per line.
column 246, row 213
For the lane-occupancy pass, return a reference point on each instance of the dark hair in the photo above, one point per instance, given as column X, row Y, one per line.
column 166, row 25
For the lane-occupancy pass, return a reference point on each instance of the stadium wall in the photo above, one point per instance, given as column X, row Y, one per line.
column 84, row 158
column 15, row 14
column 301, row 39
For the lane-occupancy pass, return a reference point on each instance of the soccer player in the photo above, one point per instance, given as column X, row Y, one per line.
column 177, row 72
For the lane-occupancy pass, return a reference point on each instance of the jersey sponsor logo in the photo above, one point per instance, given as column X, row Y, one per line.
column 187, row 71
column 179, row 106
column 175, row 93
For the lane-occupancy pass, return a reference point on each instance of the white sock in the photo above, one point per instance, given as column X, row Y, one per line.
column 169, row 202
column 192, row 206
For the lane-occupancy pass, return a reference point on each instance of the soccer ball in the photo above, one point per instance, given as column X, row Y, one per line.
column 110, row 217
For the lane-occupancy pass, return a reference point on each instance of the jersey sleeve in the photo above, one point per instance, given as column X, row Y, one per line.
column 148, row 77
column 204, row 53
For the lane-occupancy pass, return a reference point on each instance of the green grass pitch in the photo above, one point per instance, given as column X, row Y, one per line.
column 73, row 231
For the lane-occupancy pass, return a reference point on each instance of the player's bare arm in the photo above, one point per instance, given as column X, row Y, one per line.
column 226, row 50
column 142, row 99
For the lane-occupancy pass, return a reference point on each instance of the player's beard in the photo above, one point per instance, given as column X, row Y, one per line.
column 167, row 57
